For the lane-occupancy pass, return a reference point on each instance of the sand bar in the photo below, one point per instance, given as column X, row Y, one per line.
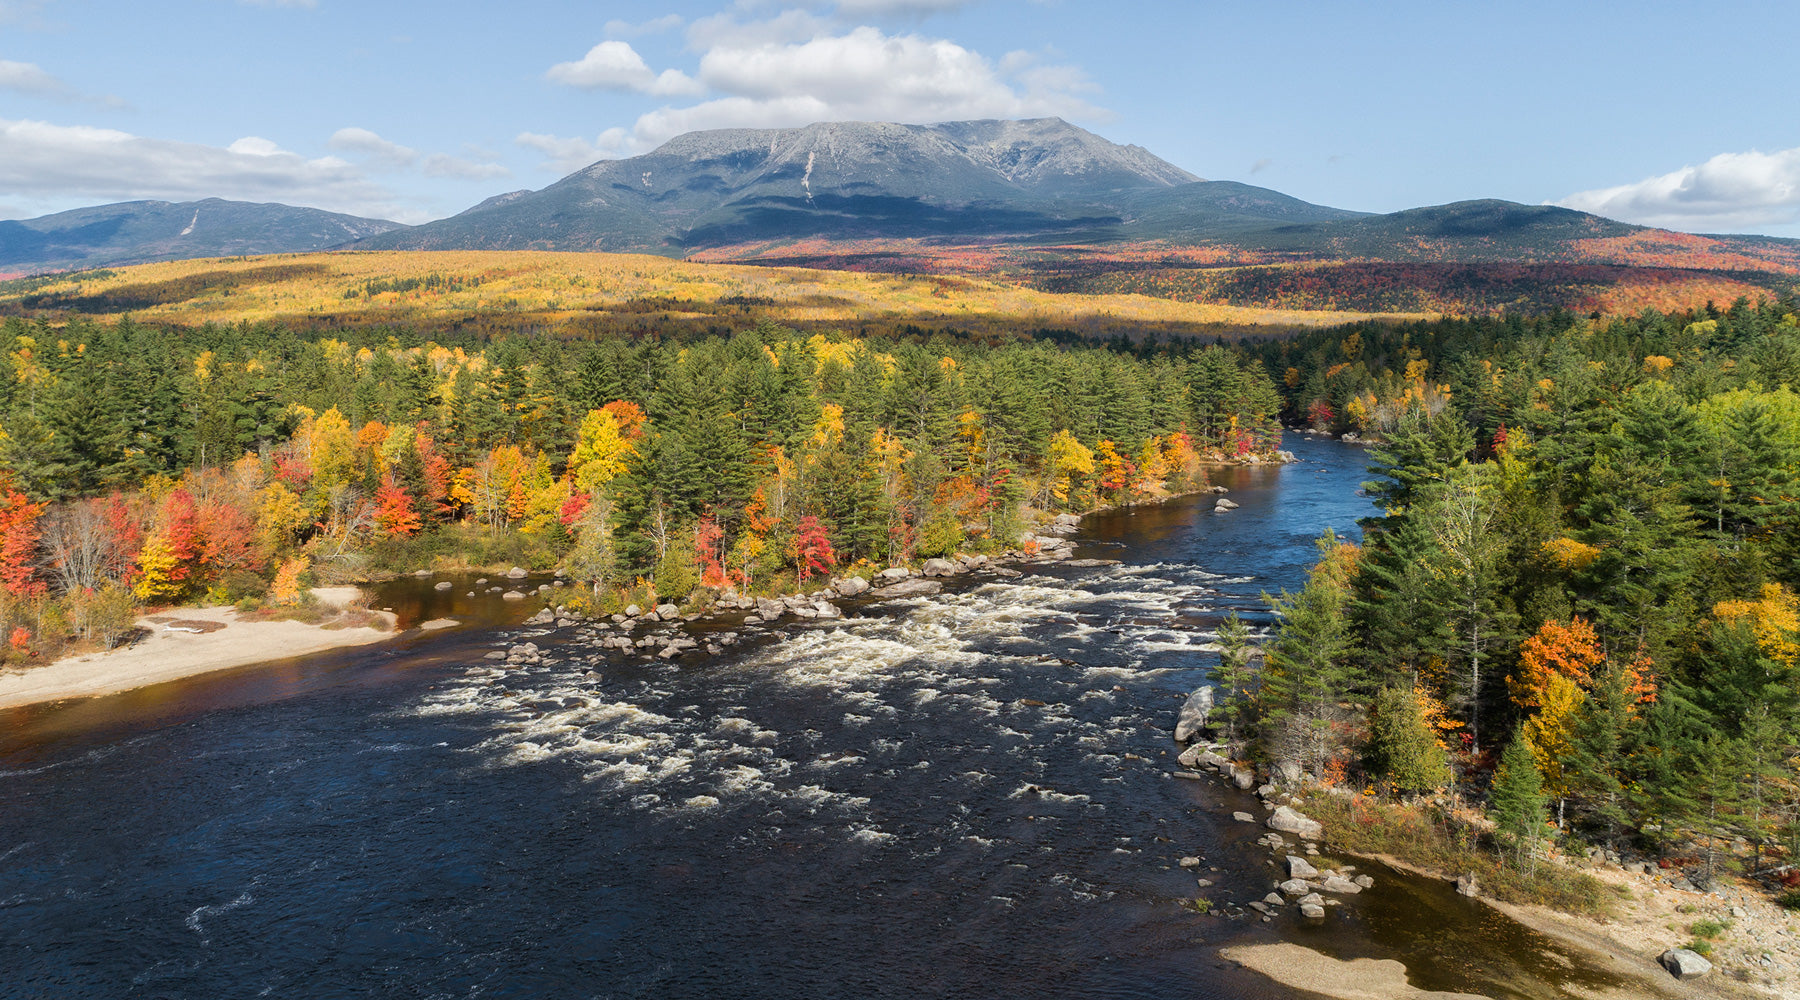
column 172, row 654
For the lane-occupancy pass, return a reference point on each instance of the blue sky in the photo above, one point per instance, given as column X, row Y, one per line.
column 1673, row 115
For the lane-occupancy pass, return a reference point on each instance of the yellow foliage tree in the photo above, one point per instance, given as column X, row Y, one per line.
column 1069, row 462
column 331, row 447
column 600, row 454
column 156, row 580
column 1551, row 732
column 1773, row 618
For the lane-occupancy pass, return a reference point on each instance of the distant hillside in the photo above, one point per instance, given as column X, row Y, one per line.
column 1032, row 179
column 1040, row 203
column 140, row 231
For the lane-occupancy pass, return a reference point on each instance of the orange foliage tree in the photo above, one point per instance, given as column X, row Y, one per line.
column 1571, row 651
column 19, row 544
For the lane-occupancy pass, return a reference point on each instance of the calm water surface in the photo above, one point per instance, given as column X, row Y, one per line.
column 961, row 796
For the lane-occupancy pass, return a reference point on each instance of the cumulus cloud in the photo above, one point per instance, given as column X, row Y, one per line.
column 1729, row 191
column 615, row 65
column 361, row 140
column 42, row 160
column 794, row 69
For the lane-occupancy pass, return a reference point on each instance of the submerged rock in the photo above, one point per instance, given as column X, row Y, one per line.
column 1340, row 885
column 908, row 588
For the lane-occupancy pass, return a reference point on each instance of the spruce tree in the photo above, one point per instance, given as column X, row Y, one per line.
column 1517, row 797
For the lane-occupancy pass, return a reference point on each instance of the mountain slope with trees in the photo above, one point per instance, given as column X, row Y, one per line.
column 137, row 231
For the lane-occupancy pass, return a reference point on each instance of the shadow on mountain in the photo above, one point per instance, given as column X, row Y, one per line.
column 876, row 216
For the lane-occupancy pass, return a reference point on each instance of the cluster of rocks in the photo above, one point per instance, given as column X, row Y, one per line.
column 1306, row 886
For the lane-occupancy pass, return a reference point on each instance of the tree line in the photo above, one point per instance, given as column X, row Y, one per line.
column 1579, row 599
column 239, row 463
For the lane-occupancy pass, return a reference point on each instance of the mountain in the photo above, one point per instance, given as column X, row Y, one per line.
column 139, row 231
column 1036, row 179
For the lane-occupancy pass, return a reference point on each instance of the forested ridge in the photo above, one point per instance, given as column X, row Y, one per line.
column 159, row 465
column 1578, row 604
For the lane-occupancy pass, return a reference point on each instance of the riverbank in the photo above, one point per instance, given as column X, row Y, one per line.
column 1643, row 918
column 186, row 642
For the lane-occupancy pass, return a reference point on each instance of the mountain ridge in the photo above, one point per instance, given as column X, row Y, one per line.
column 134, row 232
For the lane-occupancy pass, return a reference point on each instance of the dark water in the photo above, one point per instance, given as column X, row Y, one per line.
column 963, row 796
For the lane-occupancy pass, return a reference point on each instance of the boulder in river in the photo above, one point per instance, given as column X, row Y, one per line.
column 1224, row 504
column 442, row 585
column 1299, row 867
column 513, row 595
column 850, row 586
column 516, row 573
column 1340, row 885
column 1288, row 820
column 1467, row 885
column 669, row 612
column 1192, row 717
column 893, row 574
column 940, row 567
column 1684, row 964
column 907, row 588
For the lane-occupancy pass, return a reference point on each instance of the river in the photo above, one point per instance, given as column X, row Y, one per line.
column 966, row 795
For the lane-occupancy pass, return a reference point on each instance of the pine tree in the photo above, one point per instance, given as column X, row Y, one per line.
column 1234, row 679
column 1517, row 797
column 1309, row 673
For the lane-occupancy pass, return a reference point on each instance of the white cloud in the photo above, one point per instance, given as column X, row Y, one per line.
column 40, row 160
column 1729, row 191
column 615, row 65
column 864, row 75
column 877, row 8
column 445, row 165
column 725, row 30
column 626, row 29
column 796, row 68
column 361, row 140
column 31, row 80
column 567, row 155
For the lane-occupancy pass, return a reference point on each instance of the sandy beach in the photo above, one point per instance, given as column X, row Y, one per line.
column 168, row 654
column 1648, row 921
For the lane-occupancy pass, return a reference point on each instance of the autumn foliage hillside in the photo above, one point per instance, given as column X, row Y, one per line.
column 589, row 293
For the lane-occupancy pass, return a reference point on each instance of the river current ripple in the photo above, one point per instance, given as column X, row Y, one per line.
column 960, row 796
